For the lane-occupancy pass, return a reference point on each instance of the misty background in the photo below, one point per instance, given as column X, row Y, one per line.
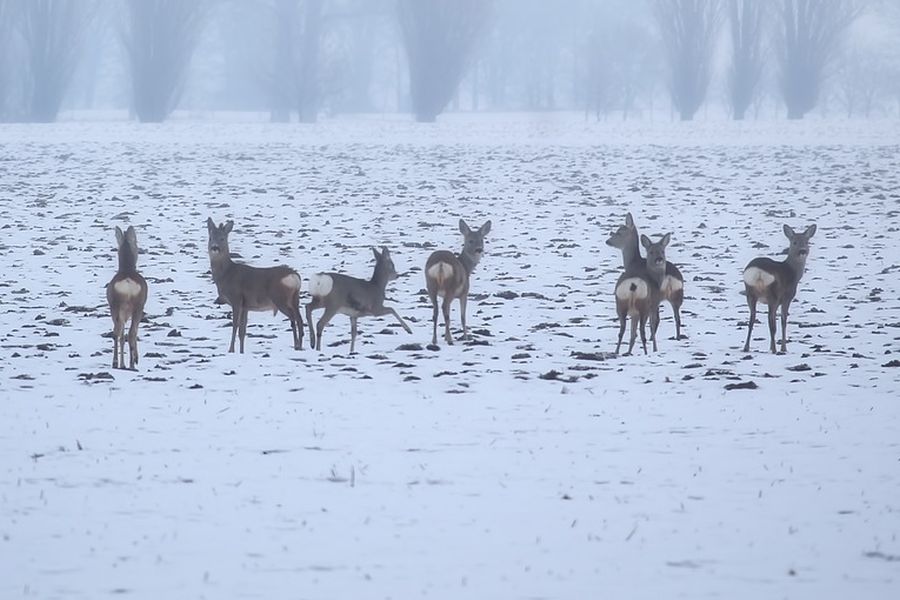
column 290, row 60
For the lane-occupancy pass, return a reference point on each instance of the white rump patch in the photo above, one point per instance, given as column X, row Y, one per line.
column 129, row 288
column 758, row 279
column 640, row 291
column 320, row 285
column 670, row 285
column 440, row 271
column 291, row 281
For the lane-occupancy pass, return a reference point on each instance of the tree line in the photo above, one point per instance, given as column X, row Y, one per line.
column 304, row 58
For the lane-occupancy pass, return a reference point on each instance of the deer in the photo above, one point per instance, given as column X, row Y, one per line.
column 638, row 293
column 448, row 275
column 626, row 238
column 775, row 283
column 126, row 294
column 247, row 288
column 351, row 296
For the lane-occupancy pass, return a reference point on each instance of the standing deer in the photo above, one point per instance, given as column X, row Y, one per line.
column 638, row 293
column 775, row 283
column 672, row 287
column 126, row 294
column 338, row 293
column 447, row 275
column 247, row 288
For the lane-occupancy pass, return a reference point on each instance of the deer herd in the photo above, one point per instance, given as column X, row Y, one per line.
column 643, row 285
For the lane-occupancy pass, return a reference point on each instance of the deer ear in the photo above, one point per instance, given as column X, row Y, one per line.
column 229, row 225
column 629, row 221
column 385, row 252
column 131, row 235
column 120, row 237
column 485, row 228
column 788, row 232
column 666, row 239
column 645, row 241
column 375, row 252
column 210, row 224
column 810, row 231
column 463, row 228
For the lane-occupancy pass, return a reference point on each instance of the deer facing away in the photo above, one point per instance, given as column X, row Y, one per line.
column 447, row 275
column 247, row 288
column 672, row 287
column 638, row 293
column 775, row 283
column 354, row 297
column 126, row 294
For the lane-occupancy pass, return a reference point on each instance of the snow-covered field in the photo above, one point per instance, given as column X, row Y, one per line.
column 527, row 464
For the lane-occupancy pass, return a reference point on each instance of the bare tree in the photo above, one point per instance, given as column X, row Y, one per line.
column 53, row 32
column 809, row 36
column 746, row 18
column 160, row 38
column 439, row 36
column 689, row 30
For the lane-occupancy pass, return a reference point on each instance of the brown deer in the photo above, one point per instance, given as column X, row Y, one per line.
column 247, row 288
column 775, row 283
column 672, row 287
column 350, row 296
column 126, row 294
column 447, row 275
column 638, row 293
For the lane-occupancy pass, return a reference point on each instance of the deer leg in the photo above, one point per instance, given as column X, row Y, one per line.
column 387, row 310
column 320, row 326
column 352, row 334
column 654, row 325
column 434, row 317
column 236, row 309
column 644, row 332
column 445, row 308
column 622, row 317
column 676, row 312
column 121, row 340
column 773, row 306
column 132, row 339
column 309, row 320
column 462, row 316
column 634, row 326
column 751, row 301
column 243, row 331
column 784, row 318
column 117, row 333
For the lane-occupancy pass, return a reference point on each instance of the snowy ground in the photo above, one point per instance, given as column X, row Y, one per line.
column 527, row 464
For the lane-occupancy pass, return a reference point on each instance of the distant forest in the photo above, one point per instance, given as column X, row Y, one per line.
column 303, row 60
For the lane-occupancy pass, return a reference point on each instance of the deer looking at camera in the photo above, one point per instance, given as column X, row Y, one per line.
column 638, row 293
column 775, row 283
column 447, row 275
column 247, row 288
column 672, row 286
column 126, row 294
column 350, row 296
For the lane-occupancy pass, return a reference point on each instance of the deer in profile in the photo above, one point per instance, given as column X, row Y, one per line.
column 625, row 239
column 126, row 294
column 247, row 288
column 447, row 275
column 350, row 296
column 775, row 283
column 638, row 293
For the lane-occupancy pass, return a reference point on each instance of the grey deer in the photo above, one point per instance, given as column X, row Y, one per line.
column 338, row 293
column 775, row 283
column 626, row 239
column 247, row 288
column 448, row 275
column 126, row 294
column 638, row 293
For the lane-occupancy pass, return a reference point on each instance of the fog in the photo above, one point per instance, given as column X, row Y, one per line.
column 316, row 59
